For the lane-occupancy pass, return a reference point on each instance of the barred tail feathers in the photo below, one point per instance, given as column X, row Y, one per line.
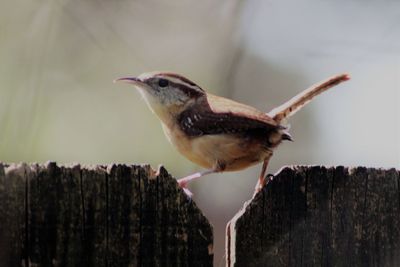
column 296, row 103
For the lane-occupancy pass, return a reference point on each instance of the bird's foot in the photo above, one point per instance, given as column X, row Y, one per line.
column 268, row 178
column 262, row 181
column 188, row 193
column 183, row 183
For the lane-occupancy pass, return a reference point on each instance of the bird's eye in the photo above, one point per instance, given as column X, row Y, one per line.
column 162, row 82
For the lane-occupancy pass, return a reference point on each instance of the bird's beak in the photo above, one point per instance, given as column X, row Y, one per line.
column 131, row 80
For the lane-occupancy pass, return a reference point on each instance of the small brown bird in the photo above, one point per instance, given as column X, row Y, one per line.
column 217, row 133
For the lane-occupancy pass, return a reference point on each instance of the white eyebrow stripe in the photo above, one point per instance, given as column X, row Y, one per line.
column 179, row 81
column 174, row 78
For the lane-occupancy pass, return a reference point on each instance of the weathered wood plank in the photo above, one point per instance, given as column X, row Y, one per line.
column 13, row 218
column 94, row 199
column 114, row 215
column 314, row 216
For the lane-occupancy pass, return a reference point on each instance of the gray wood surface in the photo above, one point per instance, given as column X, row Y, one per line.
column 113, row 215
column 317, row 216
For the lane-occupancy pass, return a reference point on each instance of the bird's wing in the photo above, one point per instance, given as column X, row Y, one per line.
column 228, row 117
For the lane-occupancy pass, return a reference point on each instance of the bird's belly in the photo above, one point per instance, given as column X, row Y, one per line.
column 228, row 152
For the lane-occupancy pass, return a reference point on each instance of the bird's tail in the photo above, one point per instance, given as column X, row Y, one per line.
column 296, row 103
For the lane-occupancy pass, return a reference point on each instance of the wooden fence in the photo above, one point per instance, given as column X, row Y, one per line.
column 102, row 216
column 317, row 216
column 120, row 215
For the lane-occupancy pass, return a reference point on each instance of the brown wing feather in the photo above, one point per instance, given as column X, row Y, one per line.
column 224, row 105
column 228, row 117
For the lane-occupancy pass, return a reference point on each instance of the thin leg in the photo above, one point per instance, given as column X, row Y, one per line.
column 183, row 182
column 261, row 179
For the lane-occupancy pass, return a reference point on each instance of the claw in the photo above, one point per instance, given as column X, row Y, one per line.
column 262, row 182
column 183, row 183
column 269, row 177
column 187, row 192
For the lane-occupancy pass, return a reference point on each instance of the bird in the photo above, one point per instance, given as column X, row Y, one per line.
column 217, row 133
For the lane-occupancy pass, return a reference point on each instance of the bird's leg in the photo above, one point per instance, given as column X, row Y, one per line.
column 261, row 179
column 183, row 182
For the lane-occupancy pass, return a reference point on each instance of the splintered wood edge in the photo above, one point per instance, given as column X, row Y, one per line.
column 27, row 169
column 23, row 169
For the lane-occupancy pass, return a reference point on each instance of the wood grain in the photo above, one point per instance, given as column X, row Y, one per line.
column 114, row 215
column 317, row 216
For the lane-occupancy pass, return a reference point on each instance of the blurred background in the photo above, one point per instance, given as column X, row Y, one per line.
column 59, row 58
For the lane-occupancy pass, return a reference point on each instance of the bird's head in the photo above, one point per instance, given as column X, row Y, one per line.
column 165, row 89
